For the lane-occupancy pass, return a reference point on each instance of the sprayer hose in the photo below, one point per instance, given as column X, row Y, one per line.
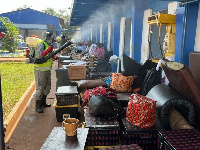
column 44, row 59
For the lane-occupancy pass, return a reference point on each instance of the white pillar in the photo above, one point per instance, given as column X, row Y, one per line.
column 197, row 37
column 145, row 31
column 109, row 36
column 101, row 33
column 122, row 32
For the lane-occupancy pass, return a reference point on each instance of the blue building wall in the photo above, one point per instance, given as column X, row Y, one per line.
column 137, row 26
column 186, row 23
column 116, row 35
column 105, row 34
column 185, row 27
column 30, row 16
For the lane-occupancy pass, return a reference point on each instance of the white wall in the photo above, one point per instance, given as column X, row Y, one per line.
column 109, row 35
column 145, row 31
column 172, row 7
column 101, row 33
column 197, row 37
column 122, row 31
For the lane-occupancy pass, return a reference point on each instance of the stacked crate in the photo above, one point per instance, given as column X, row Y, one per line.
column 67, row 102
column 124, row 147
column 182, row 139
column 102, row 131
column 147, row 139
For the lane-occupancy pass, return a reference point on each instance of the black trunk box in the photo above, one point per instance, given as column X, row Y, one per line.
column 65, row 112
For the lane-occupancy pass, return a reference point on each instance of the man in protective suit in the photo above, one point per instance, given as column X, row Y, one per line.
column 43, row 72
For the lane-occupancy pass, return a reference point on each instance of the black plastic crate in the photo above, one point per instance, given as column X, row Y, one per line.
column 71, row 112
column 182, row 139
column 67, row 95
column 147, row 139
column 102, row 131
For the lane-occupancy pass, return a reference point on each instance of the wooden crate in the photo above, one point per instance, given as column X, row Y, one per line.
column 77, row 72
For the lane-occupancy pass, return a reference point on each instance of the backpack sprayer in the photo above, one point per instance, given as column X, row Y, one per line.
column 32, row 42
column 51, row 54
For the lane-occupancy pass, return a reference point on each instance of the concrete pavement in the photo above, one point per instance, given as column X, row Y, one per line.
column 34, row 128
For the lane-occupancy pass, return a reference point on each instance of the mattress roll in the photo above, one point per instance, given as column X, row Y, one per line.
column 166, row 97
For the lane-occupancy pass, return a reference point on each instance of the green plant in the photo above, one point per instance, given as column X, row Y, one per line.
column 10, row 39
column 16, row 77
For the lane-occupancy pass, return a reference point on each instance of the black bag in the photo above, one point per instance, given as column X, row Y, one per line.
column 129, row 67
column 104, row 106
column 152, row 78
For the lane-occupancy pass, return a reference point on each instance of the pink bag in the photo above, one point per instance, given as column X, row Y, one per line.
column 141, row 111
column 99, row 52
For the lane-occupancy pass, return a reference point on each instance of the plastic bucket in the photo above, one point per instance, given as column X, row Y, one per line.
column 70, row 126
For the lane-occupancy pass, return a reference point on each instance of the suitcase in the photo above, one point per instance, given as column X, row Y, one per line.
column 147, row 139
column 102, row 132
column 183, row 139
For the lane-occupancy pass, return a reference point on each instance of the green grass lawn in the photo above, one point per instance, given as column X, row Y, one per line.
column 16, row 77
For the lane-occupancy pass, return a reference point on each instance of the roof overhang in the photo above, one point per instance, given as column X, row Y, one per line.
column 82, row 10
column 32, row 26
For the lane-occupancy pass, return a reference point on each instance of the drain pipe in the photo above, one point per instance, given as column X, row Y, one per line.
column 181, row 4
column 1, row 121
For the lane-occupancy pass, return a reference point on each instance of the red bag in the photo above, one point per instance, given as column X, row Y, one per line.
column 141, row 111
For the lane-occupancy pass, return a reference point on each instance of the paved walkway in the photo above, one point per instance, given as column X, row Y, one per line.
column 34, row 128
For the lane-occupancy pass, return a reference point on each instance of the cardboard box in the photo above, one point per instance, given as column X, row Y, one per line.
column 77, row 72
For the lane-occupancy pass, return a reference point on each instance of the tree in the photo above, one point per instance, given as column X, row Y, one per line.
column 24, row 7
column 10, row 39
column 62, row 13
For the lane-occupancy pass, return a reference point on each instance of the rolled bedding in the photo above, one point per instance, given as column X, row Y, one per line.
column 167, row 98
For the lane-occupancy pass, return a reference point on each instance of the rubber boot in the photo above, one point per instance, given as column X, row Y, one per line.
column 43, row 103
column 37, row 106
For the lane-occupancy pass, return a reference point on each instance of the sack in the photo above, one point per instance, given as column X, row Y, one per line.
column 141, row 111
column 104, row 106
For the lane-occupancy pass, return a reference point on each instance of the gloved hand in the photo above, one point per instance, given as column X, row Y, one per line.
column 50, row 49
column 55, row 58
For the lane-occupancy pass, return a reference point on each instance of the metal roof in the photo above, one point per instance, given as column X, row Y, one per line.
column 82, row 9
